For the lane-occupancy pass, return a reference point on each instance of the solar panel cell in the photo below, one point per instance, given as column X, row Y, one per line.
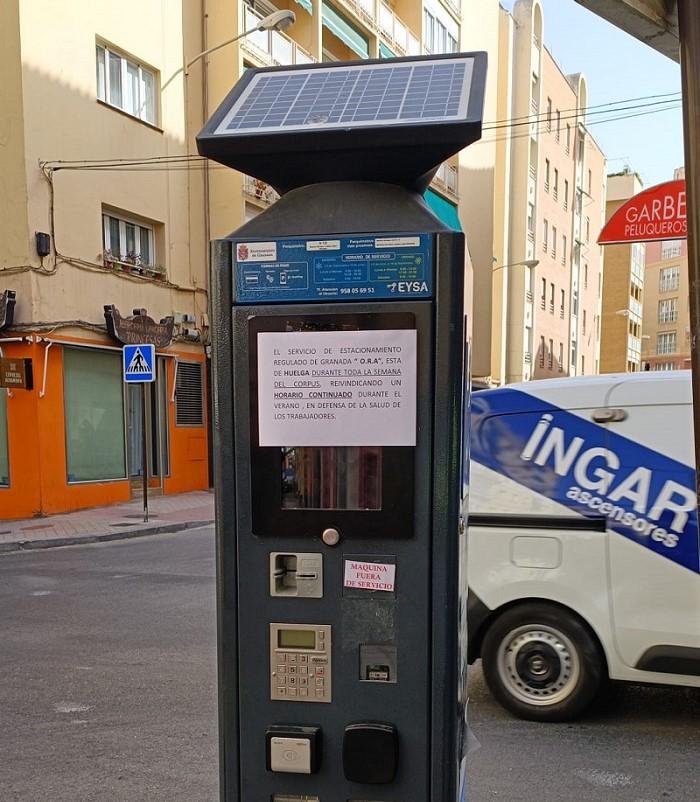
column 352, row 96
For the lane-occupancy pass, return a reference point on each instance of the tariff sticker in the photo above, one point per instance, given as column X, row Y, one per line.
column 370, row 576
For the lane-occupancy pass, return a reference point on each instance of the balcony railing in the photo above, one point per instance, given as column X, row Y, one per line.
column 446, row 179
column 528, row 296
column 398, row 33
column 258, row 190
column 272, row 47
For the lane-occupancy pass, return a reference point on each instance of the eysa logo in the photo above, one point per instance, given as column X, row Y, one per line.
column 408, row 286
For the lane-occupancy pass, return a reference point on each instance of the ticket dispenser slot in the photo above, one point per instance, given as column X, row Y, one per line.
column 370, row 753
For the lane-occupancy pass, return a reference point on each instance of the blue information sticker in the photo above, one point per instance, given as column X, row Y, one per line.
column 361, row 267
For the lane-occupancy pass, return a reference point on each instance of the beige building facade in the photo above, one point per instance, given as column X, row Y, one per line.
column 98, row 155
column 623, row 296
column 539, row 320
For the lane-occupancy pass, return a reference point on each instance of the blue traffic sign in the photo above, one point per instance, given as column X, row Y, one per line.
column 139, row 363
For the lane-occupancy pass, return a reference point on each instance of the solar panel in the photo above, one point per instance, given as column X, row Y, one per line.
column 352, row 96
column 382, row 120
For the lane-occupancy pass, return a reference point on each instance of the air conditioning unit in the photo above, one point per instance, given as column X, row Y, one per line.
column 191, row 334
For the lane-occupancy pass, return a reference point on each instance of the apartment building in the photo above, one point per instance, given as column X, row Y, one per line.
column 537, row 304
column 101, row 105
column 666, row 321
column 87, row 144
column 623, row 296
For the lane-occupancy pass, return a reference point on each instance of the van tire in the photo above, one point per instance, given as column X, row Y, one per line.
column 541, row 662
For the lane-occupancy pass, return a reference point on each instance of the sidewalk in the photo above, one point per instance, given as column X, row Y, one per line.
column 118, row 521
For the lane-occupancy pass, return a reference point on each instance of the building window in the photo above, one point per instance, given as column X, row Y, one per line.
column 542, row 350
column 665, row 366
column 549, row 113
column 562, row 304
column 545, row 236
column 561, row 357
column 531, row 221
column 568, row 138
column 551, row 298
column 669, row 278
column 555, row 189
column 566, row 195
column 127, row 241
column 583, row 322
column 574, row 305
column 583, row 365
column 554, row 242
column 189, row 394
column 543, row 299
column 438, row 38
column 581, row 148
column 585, row 276
column 666, row 343
column 588, row 229
column 546, row 175
column 564, row 244
column 4, row 457
column 590, row 181
column 670, row 249
column 550, row 355
column 668, row 310
column 126, row 84
column 558, row 125
column 429, row 31
column 93, row 394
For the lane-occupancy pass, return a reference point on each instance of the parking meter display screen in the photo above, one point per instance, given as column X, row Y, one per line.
column 296, row 639
column 333, row 478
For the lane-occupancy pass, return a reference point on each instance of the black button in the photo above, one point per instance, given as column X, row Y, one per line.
column 370, row 752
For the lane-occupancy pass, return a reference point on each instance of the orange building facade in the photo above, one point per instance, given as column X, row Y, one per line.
column 75, row 441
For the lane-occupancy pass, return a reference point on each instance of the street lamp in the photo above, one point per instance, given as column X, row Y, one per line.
column 525, row 263
column 277, row 21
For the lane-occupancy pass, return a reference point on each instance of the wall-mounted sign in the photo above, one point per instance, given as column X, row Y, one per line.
column 7, row 308
column 658, row 213
column 16, row 374
column 138, row 328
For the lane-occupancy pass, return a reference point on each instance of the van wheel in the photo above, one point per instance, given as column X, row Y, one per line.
column 541, row 662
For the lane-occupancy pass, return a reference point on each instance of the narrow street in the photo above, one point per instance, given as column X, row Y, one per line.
column 108, row 694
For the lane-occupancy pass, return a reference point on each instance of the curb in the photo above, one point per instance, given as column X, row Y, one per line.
column 79, row 540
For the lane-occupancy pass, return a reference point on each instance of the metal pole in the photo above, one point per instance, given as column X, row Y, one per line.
column 144, row 448
column 689, row 31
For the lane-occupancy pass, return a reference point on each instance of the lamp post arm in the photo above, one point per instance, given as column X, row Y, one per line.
column 222, row 44
column 206, row 53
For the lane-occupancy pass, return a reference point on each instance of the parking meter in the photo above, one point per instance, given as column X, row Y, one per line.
column 338, row 382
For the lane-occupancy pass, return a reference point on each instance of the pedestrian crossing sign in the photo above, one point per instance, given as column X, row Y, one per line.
column 139, row 363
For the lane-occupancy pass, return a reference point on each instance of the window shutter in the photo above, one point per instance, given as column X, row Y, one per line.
column 189, row 396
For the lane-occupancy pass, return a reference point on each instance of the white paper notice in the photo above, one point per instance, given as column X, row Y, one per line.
column 370, row 576
column 337, row 388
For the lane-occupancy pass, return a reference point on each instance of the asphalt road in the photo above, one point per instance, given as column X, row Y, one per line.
column 107, row 672
column 107, row 693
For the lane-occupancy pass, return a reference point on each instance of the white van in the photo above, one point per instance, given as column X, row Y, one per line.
column 583, row 554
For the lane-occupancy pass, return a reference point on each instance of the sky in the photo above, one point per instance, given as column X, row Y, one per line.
column 618, row 67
